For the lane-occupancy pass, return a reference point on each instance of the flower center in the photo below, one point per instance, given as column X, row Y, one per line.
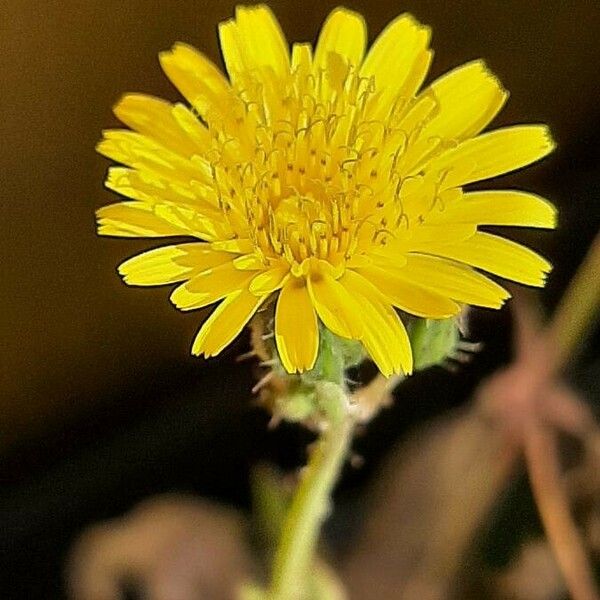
column 304, row 226
column 303, row 170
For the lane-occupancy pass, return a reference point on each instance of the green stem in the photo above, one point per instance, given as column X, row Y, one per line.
column 311, row 502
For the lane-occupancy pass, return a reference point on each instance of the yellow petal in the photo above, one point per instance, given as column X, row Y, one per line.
column 171, row 205
column 454, row 232
column 237, row 246
column 384, row 335
column 498, row 207
column 492, row 154
column 193, row 127
column 271, row 280
column 155, row 119
column 209, row 286
column 231, row 48
column 170, row 264
column 302, row 58
column 129, row 182
column 398, row 61
column 345, row 33
column 226, row 322
column 254, row 40
column 419, row 238
column 335, row 307
column 196, row 77
column 134, row 219
column 453, row 280
column 468, row 98
column 296, row 327
column 499, row 256
column 192, row 221
column 249, row 262
column 153, row 189
column 409, row 297
column 144, row 154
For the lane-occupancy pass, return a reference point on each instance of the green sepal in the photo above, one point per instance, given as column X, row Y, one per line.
column 300, row 401
column 335, row 355
column 432, row 341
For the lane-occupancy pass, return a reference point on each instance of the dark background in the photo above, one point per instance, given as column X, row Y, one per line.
column 100, row 402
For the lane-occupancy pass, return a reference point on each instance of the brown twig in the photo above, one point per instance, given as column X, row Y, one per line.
column 568, row 328
column 578, row 307
column 533, row 405
column 551, row 499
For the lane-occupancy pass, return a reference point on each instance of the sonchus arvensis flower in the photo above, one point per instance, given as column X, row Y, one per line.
column 323, row 183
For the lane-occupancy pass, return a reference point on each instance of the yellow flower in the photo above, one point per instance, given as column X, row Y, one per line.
column 324, row 180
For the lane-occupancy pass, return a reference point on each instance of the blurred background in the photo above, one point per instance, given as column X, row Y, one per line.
column 101, row 404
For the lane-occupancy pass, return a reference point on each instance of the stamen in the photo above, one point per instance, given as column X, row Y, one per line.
column 302, row 169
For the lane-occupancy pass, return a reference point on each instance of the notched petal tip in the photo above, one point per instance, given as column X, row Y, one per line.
column 344, row 32
column 186, row 301
column 168, row 57
column 197, row 350
column 241, row 9
column 178, row 48
column 409, row 21
column 346, row 13
column 103, row 146
column 491, row 76
column 549, row 138
column 543, row 136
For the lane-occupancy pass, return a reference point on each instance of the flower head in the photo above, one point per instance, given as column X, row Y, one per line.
column 324, row 182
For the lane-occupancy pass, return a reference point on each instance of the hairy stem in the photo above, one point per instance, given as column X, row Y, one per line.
column 296, row 550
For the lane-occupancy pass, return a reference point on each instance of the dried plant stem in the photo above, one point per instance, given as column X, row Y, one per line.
column 570, row 324
column 544, row 353
column 578, row 306
column 553, row 506
column 295, row 554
